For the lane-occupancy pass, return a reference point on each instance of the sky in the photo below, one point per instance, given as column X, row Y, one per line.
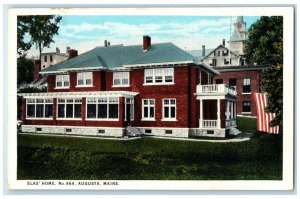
column 84, row 33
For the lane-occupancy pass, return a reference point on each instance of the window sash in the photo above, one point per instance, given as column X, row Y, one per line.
column 62, row 81
column 69, row 108
column 103, row 108
column 39, row 108
column 85, row 79
column 120, row 78
column 148, row 108
column 159, row 75
column 169, row 109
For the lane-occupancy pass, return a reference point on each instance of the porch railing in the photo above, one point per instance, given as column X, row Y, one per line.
column 215, row 89
column 209, row 123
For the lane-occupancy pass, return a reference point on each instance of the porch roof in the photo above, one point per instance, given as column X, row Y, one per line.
column 80, row 94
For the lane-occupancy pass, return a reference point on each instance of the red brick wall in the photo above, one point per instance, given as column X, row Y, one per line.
column 73, row 82
column 184, row 89
column 255, row 78
column 37, row 66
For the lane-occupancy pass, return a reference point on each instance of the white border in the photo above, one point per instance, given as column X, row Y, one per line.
column 285, row 184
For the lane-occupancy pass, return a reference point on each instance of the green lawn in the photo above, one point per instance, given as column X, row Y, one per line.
column 45, row 157
column 245, row 124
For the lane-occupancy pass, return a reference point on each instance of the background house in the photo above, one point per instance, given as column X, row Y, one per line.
column 229, row 60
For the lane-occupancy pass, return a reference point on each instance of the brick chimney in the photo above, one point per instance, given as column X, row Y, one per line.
column 57, row 50
column 67, row 49
column 72, row 53
column 146, row 43
column 105, row 43
column 223, row 42
column 37, row 68
column 203, row 50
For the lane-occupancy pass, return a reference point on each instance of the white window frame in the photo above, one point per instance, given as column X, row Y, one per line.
column 76, row 100
column 246, row 83
column 170, row 106
column 131, row 102
column 63, row 79
column 149, row 106
column 97, row 100
column 44, row 103
column 121, row 76
column 84, row 76
column 158, row 72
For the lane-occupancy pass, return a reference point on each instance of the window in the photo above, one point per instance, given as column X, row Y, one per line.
column 219, row 53
column 85, row 79
column 159, row 76
column 226, row 61
column 169, row 132
column 69, row 108
column 39, row 108
column 101, row 131
column 247, row 106
column 214, row 62
column 210, row 132
column 62, row 81
column 232, row 82
column 45, row 58
column 246, row 85
column 68, row 130
column 51, row 58
column 38, row 129
column 148, row 131
column 225, row 52
column 102, row 108
column 148, row 109
column 129, row 108
column 169, row 109
column 219, row 81
column 121, row 78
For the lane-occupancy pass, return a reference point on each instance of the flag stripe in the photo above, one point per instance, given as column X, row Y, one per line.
column 263, row 118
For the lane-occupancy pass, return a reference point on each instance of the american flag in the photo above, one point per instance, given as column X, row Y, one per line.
column 263, row 118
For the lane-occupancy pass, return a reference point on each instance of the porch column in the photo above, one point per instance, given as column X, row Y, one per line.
column 231, row 111
column 219, row 114
column 201, row 114
column 227, row 111
column 234, row 110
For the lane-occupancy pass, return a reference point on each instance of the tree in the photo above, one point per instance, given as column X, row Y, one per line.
column 265, row 47
column 25, row 69
column 22, row 29
column 41, row 29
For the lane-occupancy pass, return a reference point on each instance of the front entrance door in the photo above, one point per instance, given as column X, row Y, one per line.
column 127, row 114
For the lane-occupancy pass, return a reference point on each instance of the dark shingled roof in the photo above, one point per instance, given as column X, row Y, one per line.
column 120, row 56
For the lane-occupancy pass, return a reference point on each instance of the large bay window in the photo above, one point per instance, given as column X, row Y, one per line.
column 85, row 79
column 148, row 109
column 102, row 108
column 121, row 78
column 39, row 108
column 69, row 108
column 62, row 81
column 159, row 76
column 169, row 109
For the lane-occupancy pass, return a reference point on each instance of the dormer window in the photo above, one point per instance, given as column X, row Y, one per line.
column 62, row 81
column 85, row 79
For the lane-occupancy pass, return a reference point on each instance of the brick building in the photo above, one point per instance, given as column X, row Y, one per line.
column 154, row 89
column 230, row 62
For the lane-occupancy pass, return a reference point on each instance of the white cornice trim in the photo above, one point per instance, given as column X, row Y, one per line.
column 163, row 64
column 80, row 94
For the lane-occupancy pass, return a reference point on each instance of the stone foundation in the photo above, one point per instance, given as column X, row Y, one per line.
column 75, row 130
